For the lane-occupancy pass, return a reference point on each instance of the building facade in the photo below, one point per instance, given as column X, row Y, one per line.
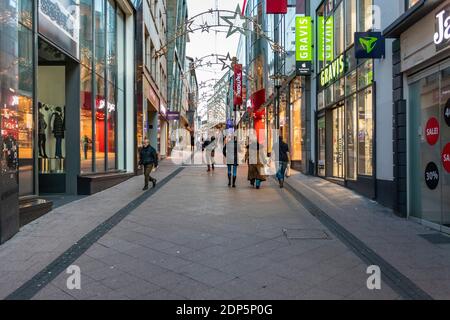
column 64, row 59
column 421, row 114
column 151, row 73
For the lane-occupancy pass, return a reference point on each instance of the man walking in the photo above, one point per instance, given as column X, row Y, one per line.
column 283, row 160
column 148, row 159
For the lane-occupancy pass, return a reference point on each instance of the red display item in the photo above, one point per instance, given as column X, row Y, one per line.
column 446, row 157
column 276, row 6
column 432, row 131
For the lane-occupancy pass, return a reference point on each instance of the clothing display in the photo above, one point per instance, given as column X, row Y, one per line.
column 51, row 135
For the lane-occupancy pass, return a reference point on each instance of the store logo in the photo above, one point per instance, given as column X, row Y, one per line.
column 368, row 43
column 442, row 35
column 332, row 71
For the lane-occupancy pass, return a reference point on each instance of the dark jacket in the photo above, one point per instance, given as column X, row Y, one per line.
column 58, row 126
column 148, row 156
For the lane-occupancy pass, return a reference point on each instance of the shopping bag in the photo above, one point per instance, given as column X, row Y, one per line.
column 288, row 171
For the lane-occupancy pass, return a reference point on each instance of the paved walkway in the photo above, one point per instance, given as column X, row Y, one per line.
column 195, row 238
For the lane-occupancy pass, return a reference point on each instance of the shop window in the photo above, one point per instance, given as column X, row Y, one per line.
column 365, row 15
column 100, row 47
column 100, row 119
column 365, row 132
column 339, row 30
column 111, row 44
column 365, row 74
column 338, row 142
column 320, row 100
column 351, row 138
column 296, row 131
column 321, row 141
column 350, row 83
column 350, row 21
column 86, row 121
column 111, row 127
column 329, row 95
column 25, row 121
column 86, row 39
column 339, row 89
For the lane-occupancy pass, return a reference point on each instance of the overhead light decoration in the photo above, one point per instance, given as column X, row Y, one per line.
column 238, row 22
column 225, row 61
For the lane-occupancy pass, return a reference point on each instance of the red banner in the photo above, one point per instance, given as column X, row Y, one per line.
column 276, row 6
column 237, row 84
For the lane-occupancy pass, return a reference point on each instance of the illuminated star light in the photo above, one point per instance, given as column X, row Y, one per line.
column 225, row 61
column 238, row 23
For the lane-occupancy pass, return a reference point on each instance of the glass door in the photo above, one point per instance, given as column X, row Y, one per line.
column 338, row 142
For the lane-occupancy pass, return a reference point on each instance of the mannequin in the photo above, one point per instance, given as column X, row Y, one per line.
column 58, row 130
column 42, row 126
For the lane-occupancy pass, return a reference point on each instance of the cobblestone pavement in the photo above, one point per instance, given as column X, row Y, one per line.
column 194, row 238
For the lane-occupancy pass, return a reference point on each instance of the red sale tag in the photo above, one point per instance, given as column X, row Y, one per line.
column 432, row 131
column 446, row 157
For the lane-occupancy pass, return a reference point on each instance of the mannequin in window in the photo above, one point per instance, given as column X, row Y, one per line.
column 42, row 126
column 58, row 131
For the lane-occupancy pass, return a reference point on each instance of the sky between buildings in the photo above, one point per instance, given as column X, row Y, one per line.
column 213, row 42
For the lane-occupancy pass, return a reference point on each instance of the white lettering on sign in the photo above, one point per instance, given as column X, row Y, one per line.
column 443, row 26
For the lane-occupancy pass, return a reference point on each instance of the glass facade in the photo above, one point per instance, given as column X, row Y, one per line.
column 102, row 122
column 345, row 125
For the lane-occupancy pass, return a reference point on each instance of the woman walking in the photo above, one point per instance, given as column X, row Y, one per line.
column 255, row 164
column 210, row 147
column 230, row 145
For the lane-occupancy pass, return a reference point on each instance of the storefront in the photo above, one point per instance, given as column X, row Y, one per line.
column 68, row 94
column 163, row 132
column 345, row 100
column 425, row 69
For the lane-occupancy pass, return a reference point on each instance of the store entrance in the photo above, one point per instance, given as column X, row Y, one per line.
column 51, row 114
column 430, row 147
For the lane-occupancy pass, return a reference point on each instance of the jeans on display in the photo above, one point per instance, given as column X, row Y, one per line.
column 232, row 168
column 282, row 166
column 58, row 151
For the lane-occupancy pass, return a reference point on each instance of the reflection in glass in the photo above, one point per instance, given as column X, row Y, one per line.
column 100, row 117
column 86, row 121
column 351, row 124
column 365, row 132
column 86, row 39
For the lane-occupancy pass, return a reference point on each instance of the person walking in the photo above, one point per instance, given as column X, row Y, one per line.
column 255, row 163
column 149, row 160
column 210, row 146
column 231, row 159
column 283, row 160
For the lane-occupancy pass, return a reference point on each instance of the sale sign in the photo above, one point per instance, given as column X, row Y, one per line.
column 237, row 84
column 432, row 131
column 446, row 157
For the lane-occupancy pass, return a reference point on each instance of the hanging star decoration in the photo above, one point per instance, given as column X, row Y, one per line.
column 225, row 61
column 188, row 26
column 238, row 23
column 205, row 27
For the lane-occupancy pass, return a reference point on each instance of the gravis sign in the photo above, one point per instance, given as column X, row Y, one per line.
column 442, row 35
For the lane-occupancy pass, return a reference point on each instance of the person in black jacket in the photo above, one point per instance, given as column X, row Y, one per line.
column 149, row 159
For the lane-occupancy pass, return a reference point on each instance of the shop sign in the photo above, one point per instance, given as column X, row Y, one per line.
column 446, row 157
column 442, row 36
column 447, row 112
column 59, row 21
column 303, row 45
column 237, row 85
column 432, row 176
column 432, row 131
column 332, row 71
column 369, row 45
column 173, row 115
column 326, row 38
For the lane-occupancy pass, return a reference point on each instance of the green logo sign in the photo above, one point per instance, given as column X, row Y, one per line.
column 303, row 39
column 325, row 35
column 368, row 43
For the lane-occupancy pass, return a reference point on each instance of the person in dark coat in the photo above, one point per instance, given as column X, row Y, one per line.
column 148, row 158
column 210, row 146
column 255, row 164
column 231, row 145
column 283, row 160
